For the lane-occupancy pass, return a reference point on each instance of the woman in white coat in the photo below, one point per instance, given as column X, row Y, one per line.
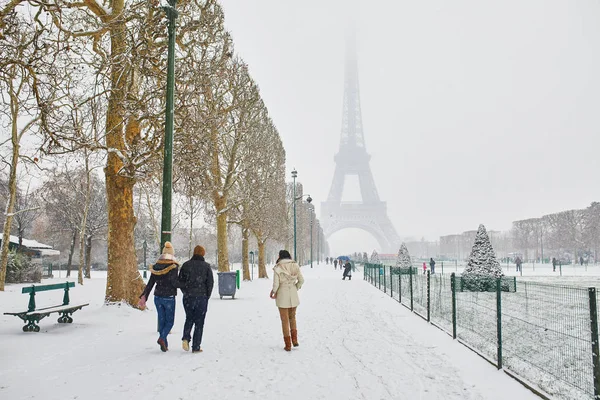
column 287, row 280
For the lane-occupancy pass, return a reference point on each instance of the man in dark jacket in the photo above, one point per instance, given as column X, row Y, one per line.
column 347, row 271
column 164, row 275
column 197, row 282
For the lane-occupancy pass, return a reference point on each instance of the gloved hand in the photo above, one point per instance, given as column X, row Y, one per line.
column 142, row 302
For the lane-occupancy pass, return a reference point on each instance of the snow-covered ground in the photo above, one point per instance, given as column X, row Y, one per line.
column 355, row 343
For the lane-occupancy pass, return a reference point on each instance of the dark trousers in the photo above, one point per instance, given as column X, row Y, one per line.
column 195, row 312
column 165, row 307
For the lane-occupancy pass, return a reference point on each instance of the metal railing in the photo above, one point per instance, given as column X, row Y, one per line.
column 544, row 333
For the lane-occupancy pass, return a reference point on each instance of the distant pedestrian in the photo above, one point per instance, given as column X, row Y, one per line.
column 335, row 262
column 287, row 280
column 424, row 267
column 581, row 260
column 164, row 275
column 518, row 262
column 347, row 271
column 197, row 282
column 432, row 265
column 553, row 264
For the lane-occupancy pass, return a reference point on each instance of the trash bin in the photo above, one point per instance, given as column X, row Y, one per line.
column 227, row 284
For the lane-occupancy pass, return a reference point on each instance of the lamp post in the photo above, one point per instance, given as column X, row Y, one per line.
column 252, row 262
column 294, row 175
column 311, row 236
column 145, row 265
column 165, row 228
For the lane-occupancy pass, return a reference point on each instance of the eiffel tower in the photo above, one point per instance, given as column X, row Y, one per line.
column 370, row 214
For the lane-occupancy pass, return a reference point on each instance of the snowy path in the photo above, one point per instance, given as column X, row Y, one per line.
column 355, row 343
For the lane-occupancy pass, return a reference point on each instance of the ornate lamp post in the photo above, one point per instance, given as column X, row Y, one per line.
column 145, row 265
column 165, row 227
column 294, row 175
column 311, row 236
column 252, row 262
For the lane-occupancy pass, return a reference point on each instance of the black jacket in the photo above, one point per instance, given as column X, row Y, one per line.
column 196, row 277
column 165, row 278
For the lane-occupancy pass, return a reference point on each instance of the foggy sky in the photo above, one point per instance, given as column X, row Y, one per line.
column 473, row 112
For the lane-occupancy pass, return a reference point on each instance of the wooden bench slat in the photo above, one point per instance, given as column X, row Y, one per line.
column 50, row 310
column 43, row 288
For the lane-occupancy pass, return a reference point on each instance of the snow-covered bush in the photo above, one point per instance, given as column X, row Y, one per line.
column 403, row 257
column 20, row 269
column 365, row 258
column 375, row 258
column 482, row 268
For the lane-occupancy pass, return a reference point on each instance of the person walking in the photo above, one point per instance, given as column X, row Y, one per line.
column 432, row 265
column 347, row 271
column 424, row 267
column 335, row 262
column 553, row 264
column 164, row 275
column 518, row 262
column 197, row 282
column 287, row 280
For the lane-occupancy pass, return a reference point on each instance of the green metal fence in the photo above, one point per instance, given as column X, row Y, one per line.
column 547, row 334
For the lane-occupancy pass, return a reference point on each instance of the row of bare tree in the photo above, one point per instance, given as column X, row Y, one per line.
column 88, row 78
column 572, row 233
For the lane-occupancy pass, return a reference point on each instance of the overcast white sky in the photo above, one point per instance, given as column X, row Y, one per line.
column 474, row 111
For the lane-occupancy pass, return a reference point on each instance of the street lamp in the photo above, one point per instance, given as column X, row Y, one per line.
column 165, row 228
column 311, row 236
column 252, row 262
column 145, row 265
column 294, row 175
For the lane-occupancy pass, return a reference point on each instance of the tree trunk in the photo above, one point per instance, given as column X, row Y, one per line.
column 262, row 270
column 223, row 253
column 71, row 250
column 12, row 194
column 83, row 228
column 124, row 282
column 245, row 264
column 88, row 257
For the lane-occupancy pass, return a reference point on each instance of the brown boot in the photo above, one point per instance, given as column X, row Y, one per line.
column 288, row 343
column 295, row 337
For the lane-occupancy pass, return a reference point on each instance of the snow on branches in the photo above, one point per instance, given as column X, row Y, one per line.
column 375, row 258
column 403, row 257
column 482, row 266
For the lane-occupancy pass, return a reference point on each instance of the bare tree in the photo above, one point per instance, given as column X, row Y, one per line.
column 24, row 97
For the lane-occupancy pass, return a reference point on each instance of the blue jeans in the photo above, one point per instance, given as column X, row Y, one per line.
column 195, row 312
column 165, row 307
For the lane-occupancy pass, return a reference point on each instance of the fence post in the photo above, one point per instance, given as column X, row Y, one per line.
column 560, row 267
column 400, row 285
column 595, row 347
column 453, row 288
column 364, row 272
column 378, row 276
column 499, row 319
column 442, row 268
column 411, row 289
column 428, row 296
column 391, row 283
column 384, row 280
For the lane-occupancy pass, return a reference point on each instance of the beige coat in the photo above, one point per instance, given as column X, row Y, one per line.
column 287, row 280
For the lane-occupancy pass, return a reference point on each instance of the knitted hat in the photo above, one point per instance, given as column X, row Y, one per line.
column 168, row 249
column 199, row 251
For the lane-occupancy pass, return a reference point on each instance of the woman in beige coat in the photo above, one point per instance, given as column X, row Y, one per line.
column 287, row 280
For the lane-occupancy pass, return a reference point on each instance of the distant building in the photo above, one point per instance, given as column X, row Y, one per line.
column 32, row 248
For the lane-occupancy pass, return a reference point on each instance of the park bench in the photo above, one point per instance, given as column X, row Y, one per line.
column 33, row 316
